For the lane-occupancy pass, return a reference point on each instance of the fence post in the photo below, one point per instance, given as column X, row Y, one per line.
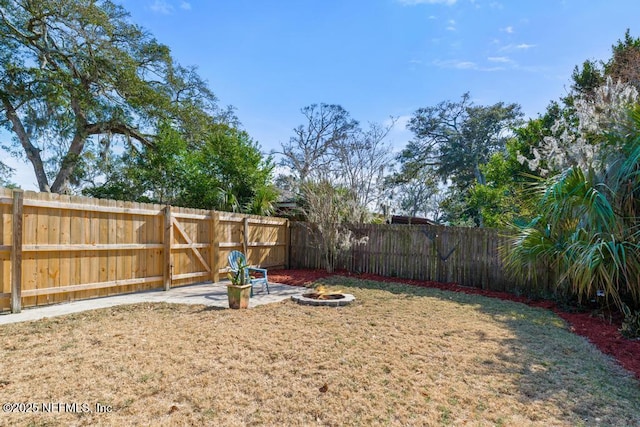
column 16, row 253
column 168, row 238
column 215, row 246
column 287, row 248
column 245, row 240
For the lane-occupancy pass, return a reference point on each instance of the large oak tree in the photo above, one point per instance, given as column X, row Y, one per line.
column 455, row 138
column 71, row 70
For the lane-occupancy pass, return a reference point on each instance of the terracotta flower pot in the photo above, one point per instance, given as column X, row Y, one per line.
column 238, row 296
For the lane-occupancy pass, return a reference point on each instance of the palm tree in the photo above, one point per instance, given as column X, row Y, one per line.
column 588, row 230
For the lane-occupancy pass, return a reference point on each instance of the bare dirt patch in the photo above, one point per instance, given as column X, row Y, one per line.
column 399, row 355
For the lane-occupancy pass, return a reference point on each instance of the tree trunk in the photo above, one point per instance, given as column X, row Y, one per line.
column 33, row 153
column 482, row 181
column 479, row 175
column 69, row 162
column 328, row 261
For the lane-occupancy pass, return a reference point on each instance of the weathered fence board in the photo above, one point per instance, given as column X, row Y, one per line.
column 467, row 256
column 57, row 248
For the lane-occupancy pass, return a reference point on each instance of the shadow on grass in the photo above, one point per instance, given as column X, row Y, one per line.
column 208, row 308
column 165, row 307
column 548, row 360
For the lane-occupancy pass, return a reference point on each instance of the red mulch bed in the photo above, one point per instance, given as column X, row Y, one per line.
column 603, row 333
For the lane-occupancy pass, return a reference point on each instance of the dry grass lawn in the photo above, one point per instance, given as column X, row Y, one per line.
column 398, row 356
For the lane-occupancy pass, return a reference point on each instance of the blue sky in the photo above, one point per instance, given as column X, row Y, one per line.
column 380, row 58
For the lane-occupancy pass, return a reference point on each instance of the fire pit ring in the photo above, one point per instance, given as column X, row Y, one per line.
column 326, row 300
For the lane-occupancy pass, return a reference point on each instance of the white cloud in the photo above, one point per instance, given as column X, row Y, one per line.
column 415, row 2
column 166, row 7
column 161, row 6
column 512, row 47
column 508, row 30
column 452, row 25
column 457, row 64
column 500, row 59
column 465, row 65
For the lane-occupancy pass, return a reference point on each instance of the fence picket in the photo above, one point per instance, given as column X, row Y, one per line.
column 465, row 255
column 77, row 247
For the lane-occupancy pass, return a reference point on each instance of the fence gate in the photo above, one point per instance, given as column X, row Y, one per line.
column 191, row 244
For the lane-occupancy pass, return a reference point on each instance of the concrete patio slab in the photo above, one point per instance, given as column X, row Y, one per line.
column 211, row 294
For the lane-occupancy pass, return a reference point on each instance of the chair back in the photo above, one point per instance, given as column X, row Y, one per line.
column 236, row 259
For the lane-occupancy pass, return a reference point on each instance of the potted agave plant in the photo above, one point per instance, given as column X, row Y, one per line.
column 239, row 290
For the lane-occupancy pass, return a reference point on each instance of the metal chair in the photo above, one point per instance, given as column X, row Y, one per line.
column 236, row 259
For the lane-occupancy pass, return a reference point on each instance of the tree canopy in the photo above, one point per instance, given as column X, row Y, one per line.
column 452, row 140
column 226, row 172
column 331, row 148
column 309, row 154
column 75, row 69
column 455, row 138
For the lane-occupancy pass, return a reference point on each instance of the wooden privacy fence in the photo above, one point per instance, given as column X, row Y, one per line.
column 467, row 256
column 58, row 248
